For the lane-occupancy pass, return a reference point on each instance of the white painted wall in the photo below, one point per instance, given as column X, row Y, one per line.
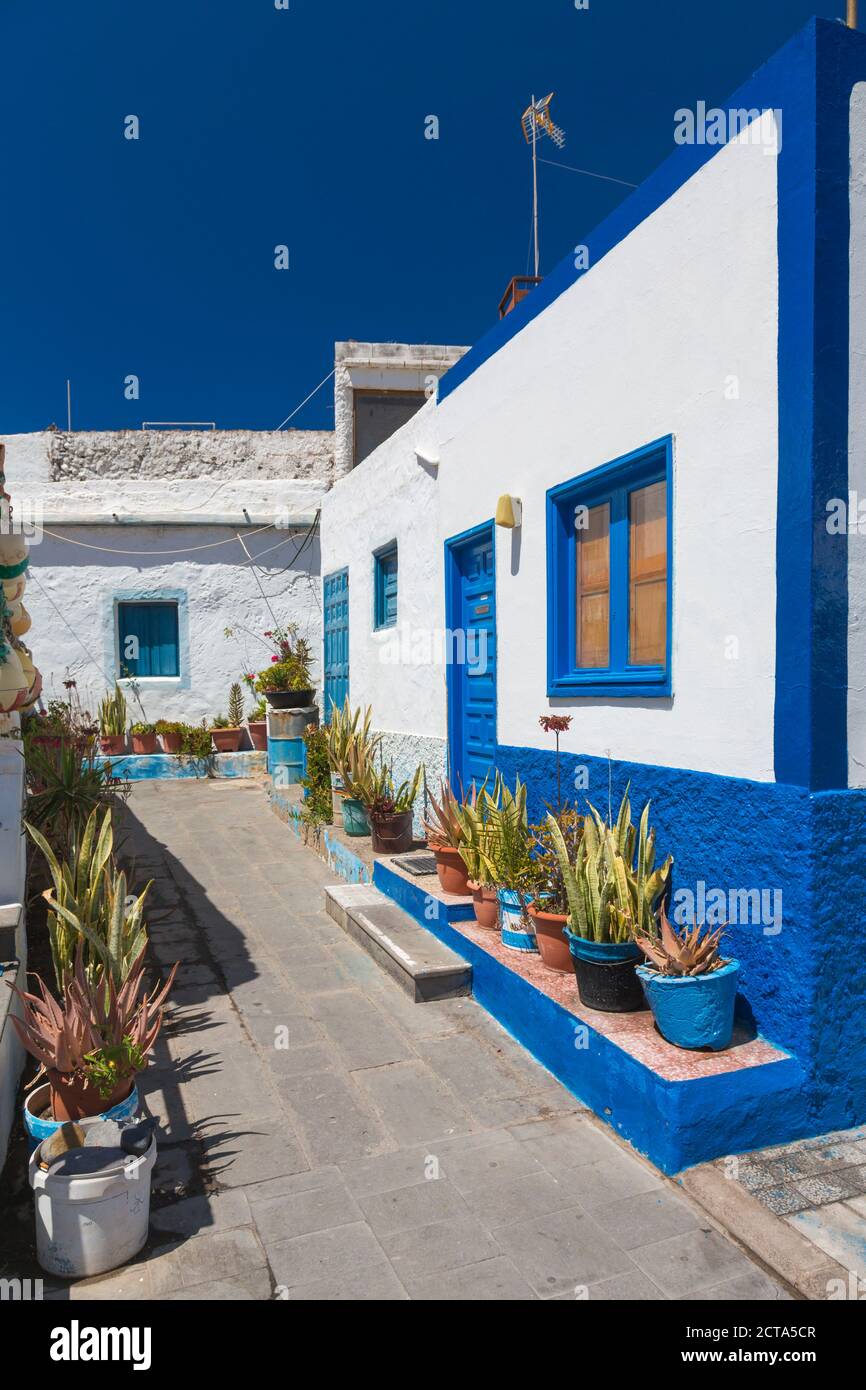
column 857, row 444
column 644, row 345
column 70, row 598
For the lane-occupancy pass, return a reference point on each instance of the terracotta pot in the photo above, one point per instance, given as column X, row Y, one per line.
column 258, row 730
column 171, row 742
column 391, row 834
column 486, row 905
column 226, row 740
column 453, row 873
column 113, row 744
column 143, row 743
column 74, row 1098
column 552, row 943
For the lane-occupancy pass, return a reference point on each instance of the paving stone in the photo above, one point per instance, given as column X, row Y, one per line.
column 476, row 1161
column 839, row 1230
column 558, row 1252
column 470, row 1069
column 504, row 1198
column 222, row 1255
column 369, row 1284
column 196, row 1215
column 698, row 1259
column 834, row 1187
column 254, row 1286
column 414, row 1106
column 613, row 1178
column 293, row 1061
column 632, row 1287
column 781, row 1200
column 651, row 1216
column 334, row 1256
column 443, row 1245
column 387, row 1171
column 334, row 1122
column 565, row 1142
column 298, row 1213
column 753, row 1286
column 362, row 1035
column 494, row 1111
column 493, row 1281
column 422, row 1204
column 239, row 1151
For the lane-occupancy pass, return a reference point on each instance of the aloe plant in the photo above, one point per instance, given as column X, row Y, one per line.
column 89, row 905
column 445, row 825
column 610, row 897
column 690, row 951
column 382, row 798
column 351, row 746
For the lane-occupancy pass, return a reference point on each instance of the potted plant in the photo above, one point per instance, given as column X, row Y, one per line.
column 610, row 898
column 351, row 750
column 94, row 1041
column 390, row 810
column 445, row 835
column 549, row 911
column 143, row 738
column 112, row 722
column 690, row 989
column 170, row 735
column 286, row 683
column 257, row 726
column 509, row 866
column 226, row 730
column 475, row 853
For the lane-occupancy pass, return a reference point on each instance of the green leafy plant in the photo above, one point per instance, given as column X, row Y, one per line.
column 350, row 743
column 293, row 674
column 236, row 706
column 547, row 879
column 196, row 741
column 317, row 806
column 220, row 721
column 258, row 712
column 89, row 905
column 690, row 951
column 382, row 798
column 611, row 896
column 169, row 726
column 113, row 713
column 108, row 1065
column 93, row 1020
column 475, row 821
column 64, row 785
column 508, row 856
column 142, row 728
column 444, row 825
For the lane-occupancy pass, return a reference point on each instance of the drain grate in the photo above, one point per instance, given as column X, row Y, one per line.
column 417, row 864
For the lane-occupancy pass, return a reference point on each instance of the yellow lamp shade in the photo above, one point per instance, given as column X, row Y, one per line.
column 14, row 685
column 14, row 588
column 19, row 618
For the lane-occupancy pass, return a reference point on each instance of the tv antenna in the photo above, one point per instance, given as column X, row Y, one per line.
column 537, row 124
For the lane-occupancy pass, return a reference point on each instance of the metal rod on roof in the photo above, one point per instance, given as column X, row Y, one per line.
column 69, row 406
column 852, row 14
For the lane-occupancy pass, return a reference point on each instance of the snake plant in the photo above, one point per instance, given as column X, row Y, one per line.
column 382, row 798
column 89, row 905
column 351, row 746
column 112, row 713
column 610, row 897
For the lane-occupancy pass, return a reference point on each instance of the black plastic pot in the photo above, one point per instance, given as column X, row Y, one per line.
column 290, row 699
column 606, row 975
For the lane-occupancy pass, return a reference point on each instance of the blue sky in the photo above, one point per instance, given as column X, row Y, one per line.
column 305, row 127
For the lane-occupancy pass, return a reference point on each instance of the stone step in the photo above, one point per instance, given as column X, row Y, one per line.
column 425, row 968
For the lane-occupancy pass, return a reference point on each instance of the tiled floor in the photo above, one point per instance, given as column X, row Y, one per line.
column 326, row 1138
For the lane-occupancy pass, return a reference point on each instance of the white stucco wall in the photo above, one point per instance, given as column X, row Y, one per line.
column 857, row 445
column 654, row 340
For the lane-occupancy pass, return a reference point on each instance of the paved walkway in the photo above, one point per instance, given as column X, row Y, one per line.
column 326, row 1138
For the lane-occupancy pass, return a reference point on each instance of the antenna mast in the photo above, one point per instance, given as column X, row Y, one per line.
column 536, row 121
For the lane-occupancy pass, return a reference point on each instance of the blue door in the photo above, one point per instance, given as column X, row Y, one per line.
column 471, row 619
column 335, row 596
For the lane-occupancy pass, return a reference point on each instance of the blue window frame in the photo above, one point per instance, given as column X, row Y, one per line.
column 610, row 578
column 147, row 639
column 385, row 587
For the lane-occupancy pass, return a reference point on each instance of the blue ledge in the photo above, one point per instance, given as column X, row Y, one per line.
column 157, row 767
column 676, row 1124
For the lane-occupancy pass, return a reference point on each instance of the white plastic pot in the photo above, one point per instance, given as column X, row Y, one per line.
column 87, row 1225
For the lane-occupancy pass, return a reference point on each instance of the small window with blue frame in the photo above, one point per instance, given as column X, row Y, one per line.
column 609, row 537
column 385, row 587
column 147, row 639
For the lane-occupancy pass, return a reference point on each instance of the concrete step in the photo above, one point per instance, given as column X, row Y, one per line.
column 425, row 968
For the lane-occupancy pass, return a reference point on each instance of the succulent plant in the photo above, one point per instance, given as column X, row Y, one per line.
column 380, row 796
column 691, row 951
column 112, row 713
column 349, row 734
column 445, row 826
column 236, row 706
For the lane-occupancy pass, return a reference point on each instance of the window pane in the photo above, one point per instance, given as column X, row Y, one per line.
column 593, row 589
column 648, row 570
column 148, row 639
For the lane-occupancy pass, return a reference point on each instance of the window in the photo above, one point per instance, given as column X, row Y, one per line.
column 147, row 639
column 385, row 587
column 378, row 415
column 609, row 578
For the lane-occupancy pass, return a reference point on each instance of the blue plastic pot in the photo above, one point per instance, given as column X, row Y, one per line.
column 511, row 922
column 39, row 1128
column 693, row 1011
column 355, row 820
